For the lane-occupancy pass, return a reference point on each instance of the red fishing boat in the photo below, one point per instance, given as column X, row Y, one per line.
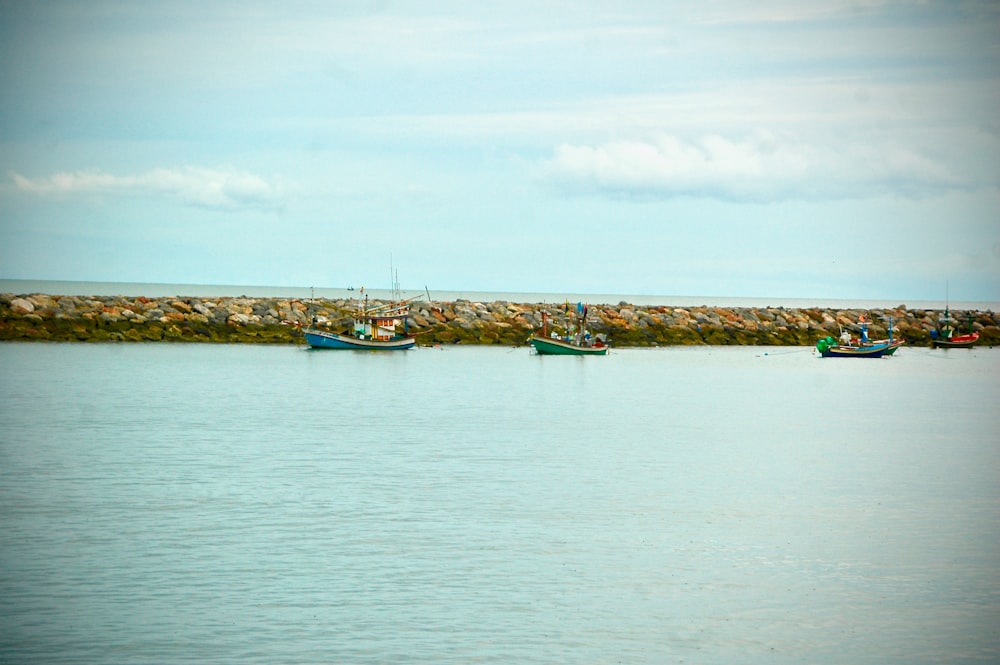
column 945, row 338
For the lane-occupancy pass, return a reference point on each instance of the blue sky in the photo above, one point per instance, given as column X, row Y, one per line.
column 753, row 149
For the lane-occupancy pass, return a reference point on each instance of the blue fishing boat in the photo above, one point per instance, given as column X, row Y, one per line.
column 380, row 327
column 860, row 347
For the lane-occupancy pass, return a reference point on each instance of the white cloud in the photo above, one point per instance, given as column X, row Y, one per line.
column 761, row 166
column 223, row 188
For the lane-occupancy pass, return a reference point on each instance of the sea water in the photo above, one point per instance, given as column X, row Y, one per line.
column 252, row 504
column 155, row 290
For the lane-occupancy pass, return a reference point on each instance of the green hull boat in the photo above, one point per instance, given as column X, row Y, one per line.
column 548, row 346
column 580, row 344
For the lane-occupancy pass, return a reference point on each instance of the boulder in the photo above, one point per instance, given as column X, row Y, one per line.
column 42, row 301
column 22, row 306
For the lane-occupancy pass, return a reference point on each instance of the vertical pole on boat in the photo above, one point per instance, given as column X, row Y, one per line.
column 947, row 303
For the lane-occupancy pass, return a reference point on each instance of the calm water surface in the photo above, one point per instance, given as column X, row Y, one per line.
column 181, row 503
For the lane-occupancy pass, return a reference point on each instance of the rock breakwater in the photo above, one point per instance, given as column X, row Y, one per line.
column 279, row 321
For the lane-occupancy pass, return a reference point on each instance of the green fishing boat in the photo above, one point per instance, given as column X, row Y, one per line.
column 549, row 346
column 578, row 344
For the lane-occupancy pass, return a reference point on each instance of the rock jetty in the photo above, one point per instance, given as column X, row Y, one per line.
column 279, row 321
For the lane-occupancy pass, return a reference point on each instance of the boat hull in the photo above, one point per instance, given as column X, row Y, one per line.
column 556, row 347
column 321, row 339
column 893, row 345
column 856, row 352
column 960, row 342
column 867, row 351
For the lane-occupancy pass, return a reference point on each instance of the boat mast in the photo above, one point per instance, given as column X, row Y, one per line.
column 365, row 323
column 394, row 281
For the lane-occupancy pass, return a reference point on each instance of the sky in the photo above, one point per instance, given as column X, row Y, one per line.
column 766, row 148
